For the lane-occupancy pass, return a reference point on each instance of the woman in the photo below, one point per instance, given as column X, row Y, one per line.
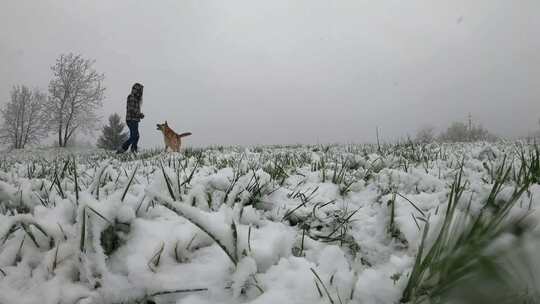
column 133, row 117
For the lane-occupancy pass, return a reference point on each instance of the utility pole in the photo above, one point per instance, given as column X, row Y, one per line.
column 378, row 142
column 470, row 127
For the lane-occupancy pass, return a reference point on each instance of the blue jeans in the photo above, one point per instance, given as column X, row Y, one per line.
column 133, row 136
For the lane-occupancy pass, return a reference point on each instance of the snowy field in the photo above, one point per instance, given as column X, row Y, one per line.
column 293, row 224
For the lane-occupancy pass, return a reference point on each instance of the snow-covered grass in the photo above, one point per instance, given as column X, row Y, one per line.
column 292, row 224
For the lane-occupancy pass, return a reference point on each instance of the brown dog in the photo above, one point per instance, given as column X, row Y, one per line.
column 172, row 139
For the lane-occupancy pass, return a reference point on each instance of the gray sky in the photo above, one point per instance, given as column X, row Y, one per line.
column 288, row 71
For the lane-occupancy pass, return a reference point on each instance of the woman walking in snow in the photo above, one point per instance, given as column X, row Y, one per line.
column 133, row 117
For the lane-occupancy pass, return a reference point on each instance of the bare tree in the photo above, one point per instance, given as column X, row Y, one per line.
column 425, row 134
column 75, row 93
column 24, row 120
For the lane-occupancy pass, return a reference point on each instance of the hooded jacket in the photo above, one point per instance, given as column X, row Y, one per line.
column 133, row 104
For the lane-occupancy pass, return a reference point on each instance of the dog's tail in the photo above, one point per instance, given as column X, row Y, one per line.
column 184, row 134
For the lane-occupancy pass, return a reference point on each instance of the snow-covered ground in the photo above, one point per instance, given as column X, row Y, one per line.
column 294, row 224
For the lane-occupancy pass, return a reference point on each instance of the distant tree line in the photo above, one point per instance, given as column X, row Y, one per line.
column 75, row 93
column 456, row 132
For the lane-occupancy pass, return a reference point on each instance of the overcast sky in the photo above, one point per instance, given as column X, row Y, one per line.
column 291, row 71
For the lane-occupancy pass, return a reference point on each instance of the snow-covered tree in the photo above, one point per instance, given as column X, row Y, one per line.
column 425, row 134
column 112, row 135
column 75, row 94
column 460, row 132
column 456, row 132
column 24, row 120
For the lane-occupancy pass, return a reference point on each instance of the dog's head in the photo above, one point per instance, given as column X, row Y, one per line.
column 162, row 127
